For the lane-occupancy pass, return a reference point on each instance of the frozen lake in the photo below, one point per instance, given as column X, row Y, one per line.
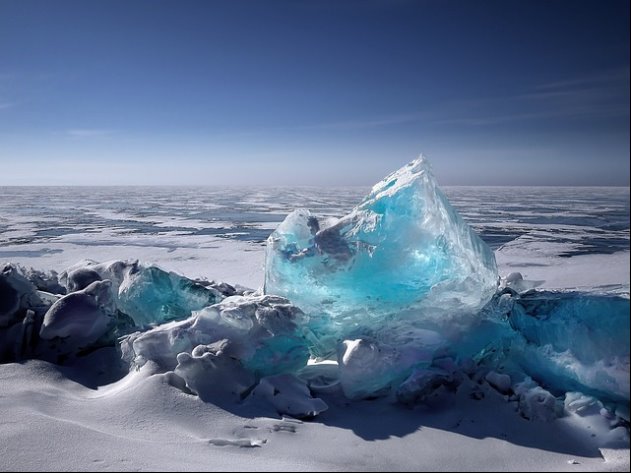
column 219, row 232
column 562, row 238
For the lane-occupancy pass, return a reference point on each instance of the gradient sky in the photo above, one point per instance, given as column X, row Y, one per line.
column 313, row 92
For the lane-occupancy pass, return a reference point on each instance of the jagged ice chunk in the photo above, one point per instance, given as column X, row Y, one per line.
column 402, row 253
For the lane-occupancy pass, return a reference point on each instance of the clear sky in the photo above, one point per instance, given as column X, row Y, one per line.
column 313, row 92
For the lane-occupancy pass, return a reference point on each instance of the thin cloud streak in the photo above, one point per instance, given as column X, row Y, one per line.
column 609, row 77
column 88, row 132
column 588, row 97
column 603, row 96
column 377, row 122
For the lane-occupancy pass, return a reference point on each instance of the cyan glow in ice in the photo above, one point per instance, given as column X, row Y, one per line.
column 403, row 241
column 150, row 295
column 400, row 292
column 146, row 293
column 574, row 341
column 403, row 252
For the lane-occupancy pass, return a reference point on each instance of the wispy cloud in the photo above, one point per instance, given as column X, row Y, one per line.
column 374, row 122
column 604, row 95
column 88, row 132
column 606, row 78
column 5, row 105
column 594, row 97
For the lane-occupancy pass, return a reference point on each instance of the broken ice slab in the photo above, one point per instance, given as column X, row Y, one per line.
column 148, row 294
column 17, row 295
column 402, row 253
column 151, row 295
column 574, row 341
column 266, row 334
column 214, row 373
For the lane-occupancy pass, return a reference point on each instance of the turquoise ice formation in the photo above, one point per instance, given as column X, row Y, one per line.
column 146, row 293
column 403, row 257
column 573, row 341
column 151, row 295
column 400, row 296
column 403, row 245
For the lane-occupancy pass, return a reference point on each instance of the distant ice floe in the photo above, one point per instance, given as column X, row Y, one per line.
column 399, row 298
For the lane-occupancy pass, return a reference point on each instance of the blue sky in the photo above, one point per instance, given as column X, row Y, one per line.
column 313, row 92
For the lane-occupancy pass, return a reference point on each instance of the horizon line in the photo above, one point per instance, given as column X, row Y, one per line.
column 627, row 186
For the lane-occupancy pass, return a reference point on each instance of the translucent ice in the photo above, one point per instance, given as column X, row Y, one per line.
column 572, row 341
column 402, row 253
column 146, row 293
column 149, row 295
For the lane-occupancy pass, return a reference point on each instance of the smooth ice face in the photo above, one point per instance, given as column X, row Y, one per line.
column 403, row 247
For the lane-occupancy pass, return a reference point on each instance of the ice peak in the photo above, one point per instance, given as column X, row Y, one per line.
column 403, row 250
column 417, row 169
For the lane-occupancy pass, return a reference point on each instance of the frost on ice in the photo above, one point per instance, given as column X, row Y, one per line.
column 82, row 315
column 266, row 334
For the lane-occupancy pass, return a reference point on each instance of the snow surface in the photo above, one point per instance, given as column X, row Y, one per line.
column 82, row 418
column 53, row 418
column 52, row 422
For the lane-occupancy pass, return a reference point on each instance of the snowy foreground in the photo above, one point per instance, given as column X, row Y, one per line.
column 373, row 368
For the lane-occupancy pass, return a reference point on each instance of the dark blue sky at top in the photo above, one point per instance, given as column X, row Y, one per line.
column 313, row 92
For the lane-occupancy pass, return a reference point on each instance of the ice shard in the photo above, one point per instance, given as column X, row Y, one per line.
column 403, row 253
column 149, row 295
column 146, row 293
